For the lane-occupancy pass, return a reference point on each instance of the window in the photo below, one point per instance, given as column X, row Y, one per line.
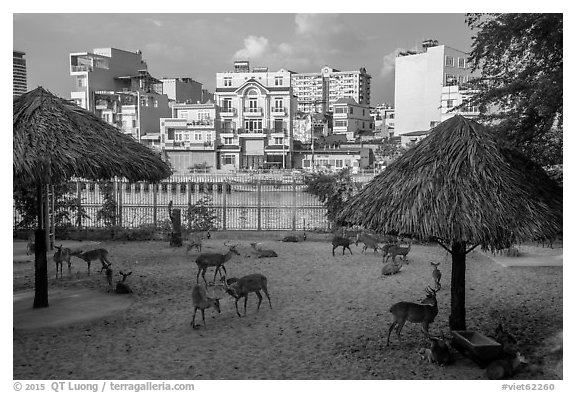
column 341, row 123
column 278, row 141
column 460, row 79
column 461, row 62
column 227, row 126
column 197, row 136
column 449, row 61
column 228, row 141
column 228, row 159
column 339, row 163
column 209, row 137
column 227, row 81
column 306, row 163
column 278, row 81
column 450, row 80
column 450, row 103
column 253, row 125
column 155, row 103
column 227, row 105
column 278, row 104
column 81, row 80
column 252, row 105
column 339, row 110
column 278, row 125
column 351, row 110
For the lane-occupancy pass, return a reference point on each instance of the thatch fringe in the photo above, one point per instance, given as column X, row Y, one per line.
column 460, row 184
column 55, row 140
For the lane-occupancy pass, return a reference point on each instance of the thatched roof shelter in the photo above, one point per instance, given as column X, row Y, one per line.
column 460, row 186
column 55, row 140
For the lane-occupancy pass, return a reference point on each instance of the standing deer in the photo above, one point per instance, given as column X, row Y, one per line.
column 93, row 255
column 60, row 256
column 242, row 287
column 436, row 275
column 368, row 240
column 121, row 286
column 341, row 241
column 196, row 242
column 201, row 301
column 206, row 260
column 423, row 313
column 109, row 275
column 393, row 250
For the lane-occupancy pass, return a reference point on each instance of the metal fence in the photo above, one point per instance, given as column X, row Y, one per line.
column 243, row 204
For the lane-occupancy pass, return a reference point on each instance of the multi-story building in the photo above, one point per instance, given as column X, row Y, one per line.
column 351, row 118
column 190, row 136
column 317, row 92
column 182, row 90
column 19, row 81
column 256, row 112
column 454, row 96
column 332, row 159
column 419, row 81
column 115, row 84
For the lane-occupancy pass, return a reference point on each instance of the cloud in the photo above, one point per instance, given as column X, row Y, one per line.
column 254, row 48
column 389, row 61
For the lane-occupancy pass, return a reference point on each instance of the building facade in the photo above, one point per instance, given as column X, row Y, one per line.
column 332, row 160
column 419, row 81
column 351, row 119
column 317, row 92
column 452, row 97
column 257, row 108
column 19, row 75
column 182, row 90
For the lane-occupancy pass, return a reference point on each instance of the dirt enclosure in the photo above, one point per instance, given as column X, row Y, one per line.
column 329, row 318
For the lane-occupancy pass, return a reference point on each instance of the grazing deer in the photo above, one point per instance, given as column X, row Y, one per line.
column 60, row 256
column 206, row 260
column 423, row 313
column 121, row 286
column 505, row 367
column 391, row 268
column 368, row 240
column 92, row 255
column 263, row 253
column 201, row 301
column 294, row 238
column 393, row 250
column 340, row 241
column 30, row 246
column 242, row 287
column 436, row 275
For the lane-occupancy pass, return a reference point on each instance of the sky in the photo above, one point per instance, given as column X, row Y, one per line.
column 198, row 45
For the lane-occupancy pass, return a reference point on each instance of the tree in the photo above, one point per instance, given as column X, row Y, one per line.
column 520, row 86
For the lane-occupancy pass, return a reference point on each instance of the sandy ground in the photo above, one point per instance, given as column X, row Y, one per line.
column 329, row 318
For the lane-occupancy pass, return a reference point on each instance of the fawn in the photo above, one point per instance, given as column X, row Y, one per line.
column 201, row 301
column 206, row 260
column 240, row 288
column 121, row 286
column 92, row 255
column 436, row 275
column 391, row 268
column 294, row 238
column 393, row 250
column 423, row 313
column 60, row 256
column 368, row 240
column 505, row 367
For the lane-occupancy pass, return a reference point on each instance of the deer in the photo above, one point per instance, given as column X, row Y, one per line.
column 341, row 241
column 423, row 313
column 368, row 240
column 505, row 367
column 393, row 250
column 196, row 242
column 60, row 256
column 121, row 286
column 109, row 275
column 439, row 351
column 240, row 288
column 295, row 238
column 391, row 268
column 92, row 255
column 206, row 260
column 201, row 302
column 263, row 253
column 436, row 275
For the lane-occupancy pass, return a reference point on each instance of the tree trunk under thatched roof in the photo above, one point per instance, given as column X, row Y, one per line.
column 460, row 186
column 55, row 140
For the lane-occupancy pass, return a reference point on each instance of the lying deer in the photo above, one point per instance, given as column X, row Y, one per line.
column 505, row 367
column 368, row 240
column 93, row 255
column 121, row 286
column 60, row 256
column 263, row 253
column 201, row 302
column 391, row 268
column 393, row 250
column 340, row 241
column 423, row 313
column 436, row 275
column 206, row 260
column 242, row 287
column 439, row 351
column 294, row 238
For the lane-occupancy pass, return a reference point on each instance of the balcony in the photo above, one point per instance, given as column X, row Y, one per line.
column 200, row 123
column 252, row 112
column 227, row 112
column 280, row 112
column 80, row 68
column 242, row 132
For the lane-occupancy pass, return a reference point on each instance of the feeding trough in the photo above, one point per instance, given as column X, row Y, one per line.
column 476, row 346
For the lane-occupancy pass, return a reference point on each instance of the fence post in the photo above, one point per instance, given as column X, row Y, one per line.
column 293, row 204
column 119, row 199
column 154, row 205
column 224, row 192
column 79, row 197
column 259, row 191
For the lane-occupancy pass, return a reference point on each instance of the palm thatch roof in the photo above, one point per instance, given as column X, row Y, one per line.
column 55, row 140
column 460, row 184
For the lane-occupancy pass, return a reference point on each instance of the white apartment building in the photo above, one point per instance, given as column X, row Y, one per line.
column 190, row 136
column 19, row 82
column 115, row 84
column 317, row 92
column 257, row 108
column 351, row 118
column 419, row 81
column 452, row 97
